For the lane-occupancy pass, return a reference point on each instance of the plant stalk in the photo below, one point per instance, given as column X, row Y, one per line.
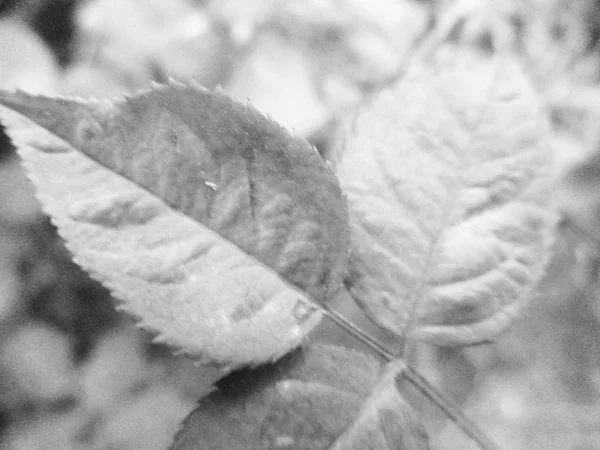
column 419, row 382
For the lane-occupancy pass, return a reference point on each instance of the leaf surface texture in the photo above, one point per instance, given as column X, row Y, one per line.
column 216, row 227
column 318, row 398
column 446, row 177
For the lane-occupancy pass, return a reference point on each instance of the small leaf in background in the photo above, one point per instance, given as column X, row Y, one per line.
column 114, row 371
column 18, row 205
column 55, row 430
column 37, row 367
column 265, row 76
column 445, row 177
column 207, row 219
column 149, row 422
column 141, row 40
column 10, row 290
column 580, row 194
column 26, row 61
column 321, row 397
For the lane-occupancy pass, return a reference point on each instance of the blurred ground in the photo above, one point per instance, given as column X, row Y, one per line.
column 74, row 374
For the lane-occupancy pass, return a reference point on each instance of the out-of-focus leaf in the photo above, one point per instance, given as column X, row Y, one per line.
column 149, row 422
column 445, row 176
column 36, row 366
column 322, row 397
column 114, row 371
column 265, row 76
column 25, row 60
column 143, row 39
column 11, row 303
column 207, row 219
column 482, row 23
column 580, row 194
column 241, row 17
column 89, row 80
column 58, row 429
column 18, row 204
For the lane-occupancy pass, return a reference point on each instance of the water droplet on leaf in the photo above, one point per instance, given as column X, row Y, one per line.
column 211, row 185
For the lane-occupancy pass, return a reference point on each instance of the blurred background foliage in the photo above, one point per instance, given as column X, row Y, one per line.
column 75, row 374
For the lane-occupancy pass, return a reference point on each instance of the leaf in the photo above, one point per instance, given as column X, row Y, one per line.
column 265, row 74
column 26, row 60
column 321, row 397
column 215, row 226
column 140, row 40
column 446, row 181
column 37, row 367
column 579, row 194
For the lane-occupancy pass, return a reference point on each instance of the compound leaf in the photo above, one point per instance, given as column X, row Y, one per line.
column 321, row 397
column 446, row 177
column 216, row 227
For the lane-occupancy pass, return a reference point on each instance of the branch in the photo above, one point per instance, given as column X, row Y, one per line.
column 439, row 399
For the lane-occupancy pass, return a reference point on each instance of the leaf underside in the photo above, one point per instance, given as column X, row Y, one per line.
column 321, row 397
column 216, row 227
column 446, row 178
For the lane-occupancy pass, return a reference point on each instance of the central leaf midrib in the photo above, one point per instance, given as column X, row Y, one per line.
column 222, row 238
column 447, row 209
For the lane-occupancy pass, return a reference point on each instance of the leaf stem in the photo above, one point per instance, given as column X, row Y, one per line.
column 436, row 397
column 420, row 383
column 572, row 222
column 359, row 334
